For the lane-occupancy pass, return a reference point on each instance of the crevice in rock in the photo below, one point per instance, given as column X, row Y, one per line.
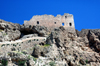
column 57, row 42
column 34, row 54
column 28, row 63
column 92, row 42
column 42, row 54
column 69, row 63
column 99, row 37
column 1, row 28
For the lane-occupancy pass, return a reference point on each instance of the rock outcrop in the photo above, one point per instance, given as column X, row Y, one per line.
column 39, row 46
column 9, row 31
column 40, row 30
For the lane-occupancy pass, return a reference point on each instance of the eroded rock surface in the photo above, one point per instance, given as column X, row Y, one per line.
column 60, row 48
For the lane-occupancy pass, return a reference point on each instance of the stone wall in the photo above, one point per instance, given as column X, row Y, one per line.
column 52, row 22
column 20, row 45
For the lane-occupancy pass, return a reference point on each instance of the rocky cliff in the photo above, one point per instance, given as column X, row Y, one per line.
column 22, row 45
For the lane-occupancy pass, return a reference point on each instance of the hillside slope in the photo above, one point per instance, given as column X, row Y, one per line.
column 22, row 45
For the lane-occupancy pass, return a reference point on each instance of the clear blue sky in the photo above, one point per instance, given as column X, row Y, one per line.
column 86, row 12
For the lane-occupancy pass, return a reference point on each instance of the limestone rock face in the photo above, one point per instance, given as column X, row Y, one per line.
column 40, row 30
column 39, row 46
column 9, row 25
column 9, row 31
column 93, row 37
column 29, row 36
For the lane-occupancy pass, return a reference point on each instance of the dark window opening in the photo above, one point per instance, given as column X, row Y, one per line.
column 65, row 40
column 55, row 22
column 37, row 22
column 70, row 24
column 30, row 26
column 0, row 21
column 62, row 24
column 65, row 16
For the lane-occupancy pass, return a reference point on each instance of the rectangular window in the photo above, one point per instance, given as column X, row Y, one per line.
column 65, row 16
column 62, row 24
column 37, row 22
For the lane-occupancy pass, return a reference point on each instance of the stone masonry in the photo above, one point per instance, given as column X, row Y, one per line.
column 52, row 22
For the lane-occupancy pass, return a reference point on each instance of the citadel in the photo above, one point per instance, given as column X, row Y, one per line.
column 46, row 40
column 49, row 21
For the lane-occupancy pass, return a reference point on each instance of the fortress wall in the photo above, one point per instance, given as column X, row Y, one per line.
column 68, row 22
column 21, row 44
column 46, row 20
column 52, row 22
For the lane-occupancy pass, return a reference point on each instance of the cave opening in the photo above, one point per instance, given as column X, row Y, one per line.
column 28, row 32
column 25, row 32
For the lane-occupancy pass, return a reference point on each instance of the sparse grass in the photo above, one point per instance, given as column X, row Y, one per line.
column 20, row 53
column 46, row 45
column 2, row 45
column 29, row 41
column 32, row 48
column 86, row 61
column 17, row 52
column 4, row 34
column 4, row 62
column 24, row 52
column 8, row 44
column 8, row 53
column 29, row 56
column 34, row 39
column 1, row 30
column 35, row 45
column 52, row 63
column 43, row 39
column 72, row 45
column 21, row 63
column 37, row 39
column 14, row 45
column 19, row 44
column 34, row 59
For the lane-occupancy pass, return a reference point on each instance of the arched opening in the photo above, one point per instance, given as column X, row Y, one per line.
column 0, row 21
column 37, row 22
column 54, row 22
column 65, row 16
column 62, row 24
column 70, row 24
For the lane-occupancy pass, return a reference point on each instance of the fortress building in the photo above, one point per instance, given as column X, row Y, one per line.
column 52, row 22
